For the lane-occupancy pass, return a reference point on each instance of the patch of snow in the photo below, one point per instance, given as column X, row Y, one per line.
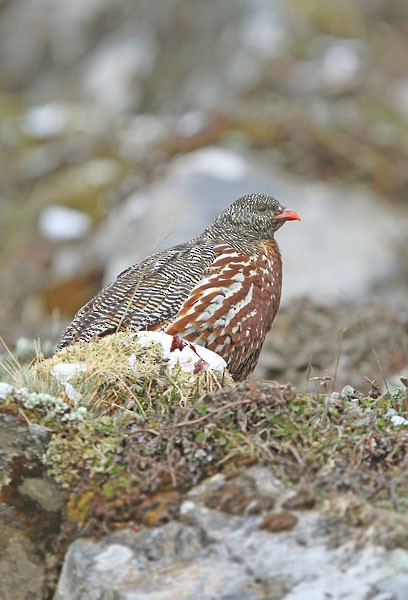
column 5, row 389
column 60, row 223
column 187, row 506
column 46, row 121
column 395, row 418
column 72, row 393
column 64, row 371
column 187, row 357
column 341, row 61
column 132, row 361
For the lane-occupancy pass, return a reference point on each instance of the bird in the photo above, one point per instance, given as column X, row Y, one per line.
column 220, row 290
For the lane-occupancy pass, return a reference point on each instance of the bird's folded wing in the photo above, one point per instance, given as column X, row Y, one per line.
column 144, row 295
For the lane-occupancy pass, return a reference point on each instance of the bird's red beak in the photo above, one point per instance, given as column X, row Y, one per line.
column 288, row 215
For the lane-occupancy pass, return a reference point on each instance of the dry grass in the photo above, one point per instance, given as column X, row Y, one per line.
column 114, row 372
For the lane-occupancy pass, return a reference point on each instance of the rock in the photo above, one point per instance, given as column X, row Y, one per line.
column 213, row 554
column 198, row 186
column 29, row 509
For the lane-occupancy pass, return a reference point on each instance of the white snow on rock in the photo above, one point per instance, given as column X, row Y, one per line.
column 72, row 393
column 5, row 390
column 396, row 419
column 61, row 223
column 191, row 357
column 46, row 121
column 63, row 373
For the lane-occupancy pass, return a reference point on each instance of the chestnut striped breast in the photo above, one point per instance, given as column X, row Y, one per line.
column 232, row 308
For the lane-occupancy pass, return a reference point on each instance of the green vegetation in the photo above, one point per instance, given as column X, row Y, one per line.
column 128, row 437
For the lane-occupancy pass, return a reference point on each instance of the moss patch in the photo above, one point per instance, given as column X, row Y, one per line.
column 117, row 372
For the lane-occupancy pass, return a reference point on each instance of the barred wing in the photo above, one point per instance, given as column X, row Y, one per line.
column 144, row 295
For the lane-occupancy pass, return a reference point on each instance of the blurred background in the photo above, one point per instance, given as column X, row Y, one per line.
column 128, row 125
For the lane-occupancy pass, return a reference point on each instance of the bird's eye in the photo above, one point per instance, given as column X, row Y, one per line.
column 263, row 208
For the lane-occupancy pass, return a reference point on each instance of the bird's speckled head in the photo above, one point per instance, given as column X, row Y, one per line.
column 252, row 218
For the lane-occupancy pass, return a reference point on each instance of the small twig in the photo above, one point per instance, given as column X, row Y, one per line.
column 136, row 399
column 26, row 419
column 336, row 366
column 323, row 381
column 145, row 430
column 380, row 367
column 170, row 465
column 295, row 453
column 120, row 407
column 14, row 365
column 325, row 412
column 308, row 378
column 393, row 496
column 208, row 415
column 38, row 354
